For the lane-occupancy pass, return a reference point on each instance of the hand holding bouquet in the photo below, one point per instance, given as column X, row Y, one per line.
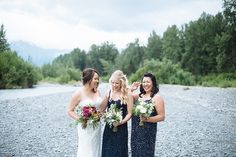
column 88, row 115
column 143, row 109
column 113, row 117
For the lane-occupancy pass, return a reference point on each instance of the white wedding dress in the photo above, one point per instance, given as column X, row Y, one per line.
column 89, row 141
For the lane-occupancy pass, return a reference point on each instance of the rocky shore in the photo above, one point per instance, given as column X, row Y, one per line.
column 200, row 121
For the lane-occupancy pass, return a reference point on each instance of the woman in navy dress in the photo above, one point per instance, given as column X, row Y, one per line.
column 143, row 138
column 115, row 144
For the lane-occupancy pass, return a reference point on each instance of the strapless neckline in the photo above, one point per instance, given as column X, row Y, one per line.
column 95, row 103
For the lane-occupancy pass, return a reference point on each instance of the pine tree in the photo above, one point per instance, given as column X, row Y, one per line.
column 3, row 41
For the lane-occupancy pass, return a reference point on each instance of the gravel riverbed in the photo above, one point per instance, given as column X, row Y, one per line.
column 200, row 121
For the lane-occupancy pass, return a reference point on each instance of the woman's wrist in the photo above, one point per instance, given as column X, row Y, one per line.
column 122, row 122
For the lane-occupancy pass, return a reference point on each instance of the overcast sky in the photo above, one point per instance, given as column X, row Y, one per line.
column 67, row 24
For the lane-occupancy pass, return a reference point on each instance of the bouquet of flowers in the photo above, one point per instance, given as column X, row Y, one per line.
column 113, row 116
column 88, row 115
column 143, row 109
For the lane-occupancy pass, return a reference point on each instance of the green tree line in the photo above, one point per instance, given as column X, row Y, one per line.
column 201, row 52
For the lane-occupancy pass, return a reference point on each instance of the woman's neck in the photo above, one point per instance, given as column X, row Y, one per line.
column 88, row 89
column 147, row 95
column 115, row 94
column 116, row 91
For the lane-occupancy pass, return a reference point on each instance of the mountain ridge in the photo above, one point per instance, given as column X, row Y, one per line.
column 35, row 54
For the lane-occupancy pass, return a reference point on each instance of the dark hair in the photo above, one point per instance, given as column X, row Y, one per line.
column 88, row 74
column 155, row 88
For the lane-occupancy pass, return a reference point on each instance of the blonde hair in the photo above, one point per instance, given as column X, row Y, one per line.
column 119, row 75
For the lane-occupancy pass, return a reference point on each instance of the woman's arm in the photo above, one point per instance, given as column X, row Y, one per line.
column 160, row 109
column 104, row 102
column 134, row 86
column 129, row 108
column 75, row 99
column 135, row 96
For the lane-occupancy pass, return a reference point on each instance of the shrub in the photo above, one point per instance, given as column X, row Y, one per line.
column 15, row 72
column 165, row 72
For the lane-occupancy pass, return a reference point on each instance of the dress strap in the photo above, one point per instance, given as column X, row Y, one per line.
column 148, row 100
column 109, row 96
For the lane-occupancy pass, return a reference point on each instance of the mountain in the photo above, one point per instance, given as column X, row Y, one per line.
column 35, row 54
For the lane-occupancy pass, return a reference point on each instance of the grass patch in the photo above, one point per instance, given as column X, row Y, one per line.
column 219, row 80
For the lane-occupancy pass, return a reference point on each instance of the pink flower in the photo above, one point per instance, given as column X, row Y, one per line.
column 88, row 115
column 86, row 112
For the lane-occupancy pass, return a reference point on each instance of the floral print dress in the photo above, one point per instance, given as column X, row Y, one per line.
column 143, row 138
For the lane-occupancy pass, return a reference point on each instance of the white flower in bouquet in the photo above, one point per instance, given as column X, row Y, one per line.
column 143, row 109
column 112, row 116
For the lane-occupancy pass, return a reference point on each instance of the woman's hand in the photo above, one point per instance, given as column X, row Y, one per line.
column 144, row 119
column 115, row 124
column 134, row 86
column 100, row 114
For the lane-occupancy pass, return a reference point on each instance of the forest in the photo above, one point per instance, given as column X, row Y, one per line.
column 201, row 52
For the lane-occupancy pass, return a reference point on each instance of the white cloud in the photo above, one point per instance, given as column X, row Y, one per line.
column 73, row 23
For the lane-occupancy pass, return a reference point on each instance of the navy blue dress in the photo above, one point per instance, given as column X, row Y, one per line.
column 115, row 144
column 143, row 138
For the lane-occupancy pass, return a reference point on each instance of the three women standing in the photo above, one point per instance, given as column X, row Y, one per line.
column 115, row 144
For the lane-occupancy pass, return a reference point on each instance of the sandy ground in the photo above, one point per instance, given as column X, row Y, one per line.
column 199, row 121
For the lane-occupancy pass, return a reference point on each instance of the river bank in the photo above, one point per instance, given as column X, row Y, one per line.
column 200, row 121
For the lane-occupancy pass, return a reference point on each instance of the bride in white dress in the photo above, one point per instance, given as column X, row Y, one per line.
column 89, row 138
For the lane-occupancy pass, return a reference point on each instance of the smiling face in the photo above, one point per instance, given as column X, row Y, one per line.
column 115, row 84
column 147, row 84
column 94, row 82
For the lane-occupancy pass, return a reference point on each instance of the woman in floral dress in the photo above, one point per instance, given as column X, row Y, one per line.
column 143, row 138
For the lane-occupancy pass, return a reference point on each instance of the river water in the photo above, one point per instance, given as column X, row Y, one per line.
column 43, row 89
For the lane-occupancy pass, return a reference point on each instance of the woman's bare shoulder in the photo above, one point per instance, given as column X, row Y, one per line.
column 107, row 92
column 157, row 97
column 77, row 93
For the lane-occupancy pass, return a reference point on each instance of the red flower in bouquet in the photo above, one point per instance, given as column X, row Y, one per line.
column 88, row 115
column 88, row 111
